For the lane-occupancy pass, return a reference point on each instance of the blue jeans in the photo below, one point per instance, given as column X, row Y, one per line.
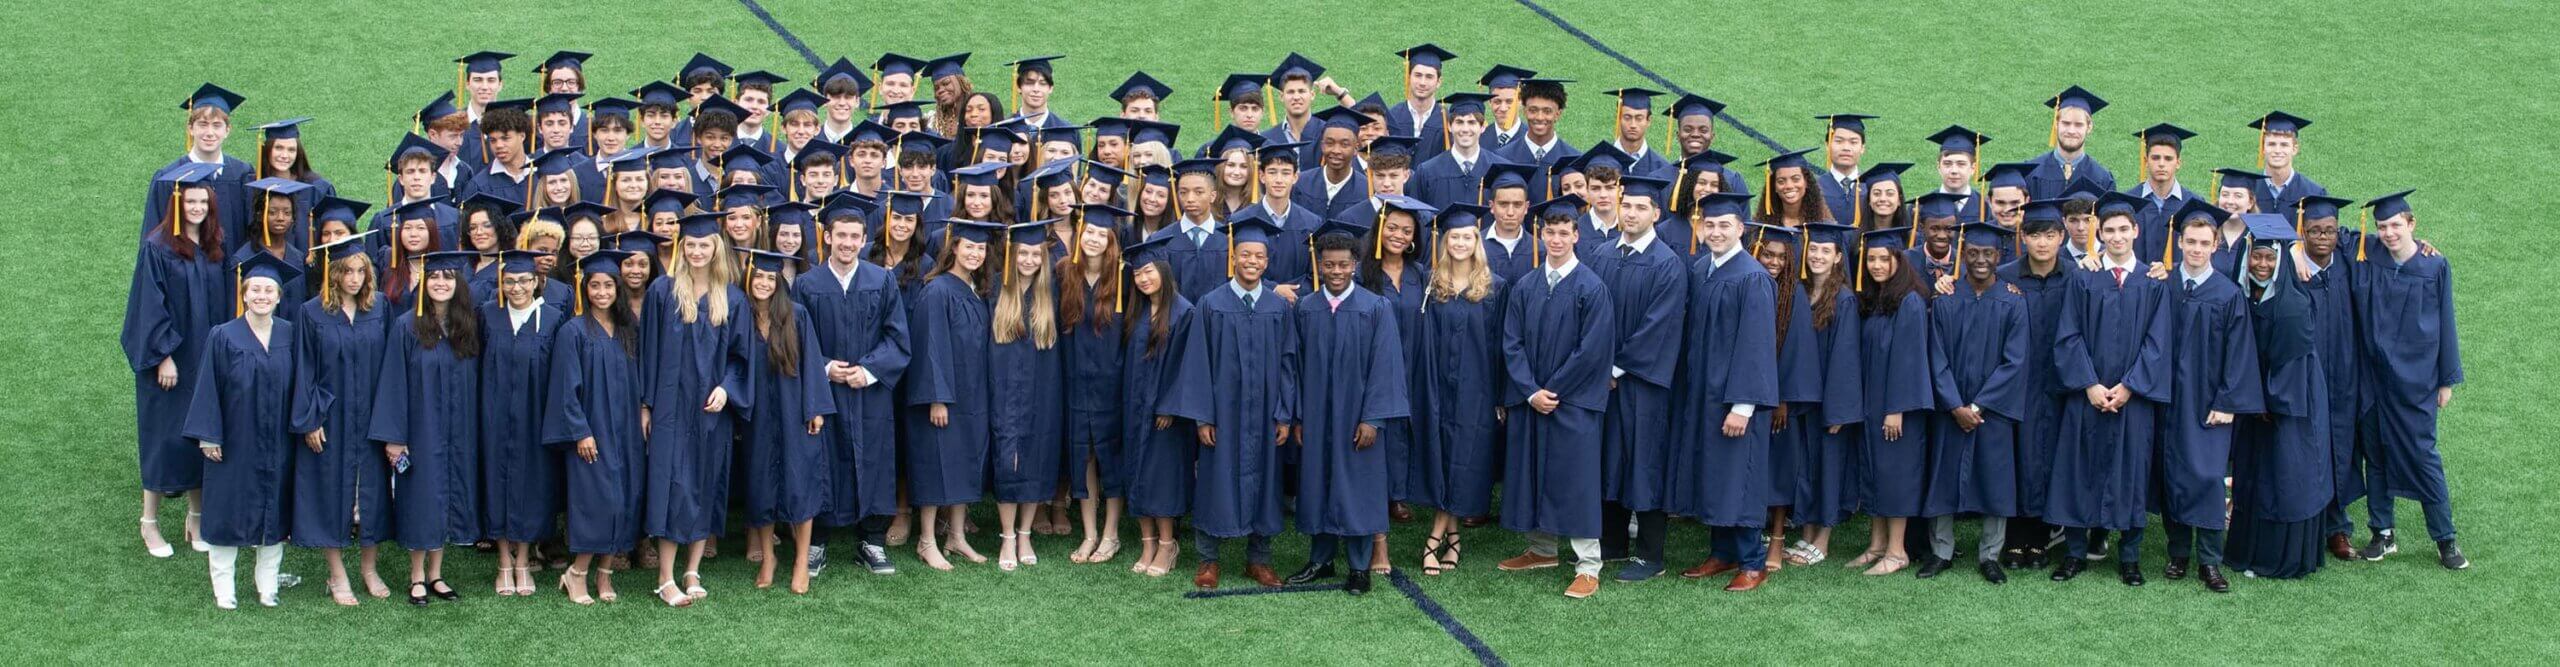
column 1739, row 545
column 2439, row 516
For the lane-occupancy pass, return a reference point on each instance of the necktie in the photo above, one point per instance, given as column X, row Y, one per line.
column 2191, row 284
column 2119, row 277
column 1538, row 153
column 1466, row 168
column 1200, row 237
column 1248, row 301
column 1626, row 251
column 1554, row 277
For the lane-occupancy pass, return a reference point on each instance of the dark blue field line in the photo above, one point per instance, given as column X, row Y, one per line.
column 1421, row 601
column 784, row 33
column 1648, row 73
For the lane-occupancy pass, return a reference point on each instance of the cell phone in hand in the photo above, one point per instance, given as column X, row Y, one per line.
column 400, row 465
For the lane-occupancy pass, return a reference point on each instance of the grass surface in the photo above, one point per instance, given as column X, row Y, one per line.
column 2452, row 100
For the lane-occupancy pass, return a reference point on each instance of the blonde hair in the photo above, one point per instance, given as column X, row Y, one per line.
column 538, row 228
column 332, row 299
column 1026, row 306
column 690, row 284
column 1471, row 278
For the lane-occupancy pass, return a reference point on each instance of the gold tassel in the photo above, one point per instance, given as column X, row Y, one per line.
column 175, row 190
column 2053, row 133
column 2364, row 225
column 239, row 283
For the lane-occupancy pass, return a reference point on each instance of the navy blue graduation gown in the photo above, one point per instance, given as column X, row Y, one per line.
column 1800, row 384
column 1649, row 296
column 2041, row 422
column 1977, row 357
column 1198, row 268
column 1157, row 460
column 346, row 484
column 2050, row 178
column 786, row 466
column 2410, row 348
column 1541, row 186
column 1731, row 339
column 1510, row 262
column 1310, row 193
column 2331, row 293
column 2280, row 463
column 1433, row 139
column 1404, row 299
column 1279, row 133
column 1837, row 200
column 687, row 480
column 230, row 187
column 593, row 391
column 1351, row 372
column 1230, row 374
column 1893, row 356
column 1093, row 397
column 2108, row 334
column 173, row 303
column 1292, row 256
column 1597, row 237
column 1831, row 486
column 2152, row 221
column 256, row 402
column 2278, row 198
column 864, row 324
column 448, row 229
column 519, row 476
column 2214, row 357
column 1439, row 182
column 1456, row 458
column 429, row 400
column 1651, row 164
column 1026, row 417
column 947, row 465
column 1560, row 338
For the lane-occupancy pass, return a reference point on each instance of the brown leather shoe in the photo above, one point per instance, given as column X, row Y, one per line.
column 1749, row 579
column 2339, row 548
column 1400, row 512
column 1208, row 576
column 1475, row 522
column 1525, row 561
column 1262, row 574
column 1713, row 567
column 1583, row 586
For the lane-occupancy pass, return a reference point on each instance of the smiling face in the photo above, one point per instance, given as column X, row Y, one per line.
column 2071, row 128
column 698, row 251
column 2280, row 148
column 1396, row 230
column 2262, row 263
column 1093, row 240
column 2117, row 233
column 1147, row 279
column 440, row 286
column 603, row 289
column 518, row 289
column 1557, row 239
column 1882, row 262
column 968, row 255
column 259, row 295
column 207, row 129
column 1981, row 263
column 1820, row 258
column 635, row 271
column 1720, row 232
column 1335, row 268
column 1460, row 243
column 1251, row 259
column 415, row 233
column 281, row 153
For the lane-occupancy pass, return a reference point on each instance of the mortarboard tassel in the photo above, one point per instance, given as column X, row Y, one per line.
column 1118, row 296
column 461, row 76
column 2364, row 224
column 2053, row 133
column 266, row 234
column 239, row 284
column 1231, row 253
column 1444, row 126
column 1803, row 254
column 2297, row 221
column 174, row 214
column 1378, row 236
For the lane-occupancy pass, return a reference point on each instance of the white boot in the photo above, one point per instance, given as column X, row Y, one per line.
column 270, row 561
column 220, row 562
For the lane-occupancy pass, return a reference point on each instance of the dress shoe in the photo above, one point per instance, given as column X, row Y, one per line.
column 2013, row 558
column 1400, row 513
column 1584, row 585
column 1208, row 576
column 2070, row 567
column 1312, row 572
column 1475, row 522
column 1749, row 579
column 2211, row 575
column 2450, row 556
column 2035, row 559
column 2339, row 548
column 1933, row 567
column 2129, row 573
column 2177, row 569
column 2382, row 545
column 1638, row 570
column 1262, row 574
column 1713, row 567
column 1525, row 561
column 1994, row 573
column 1357, row 583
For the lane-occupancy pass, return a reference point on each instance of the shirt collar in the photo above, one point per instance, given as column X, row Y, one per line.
column 2191, row 277
column 2106, row 263
column 1241, row 292
column 1570, row 263
column 1189, row 225
column 1726, row 256
column 1642, row 244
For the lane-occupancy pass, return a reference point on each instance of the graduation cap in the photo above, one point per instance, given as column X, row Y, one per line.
column 1984, row 233
column 342, row 249
column 1238, row 86
column 1104, row 216
column 1333, row 227
column 1052, row 175
column 1505, row 76
column 520, row 261
column 2239, row 178
column 996, row 138
column 575, row 60
column 972, row 230
column 800, row 99
column 585, row 210
column 702, row 64
column 796, row 214
column 1198, row 165
column 1719, row 204
column 1341, row 117
column 1466, row 103
column 1461, row 216
column 718, row 102
column 907, row 109
column 847, row 204
column 1286, row 151
column 209, row 95
column 1644, row 186
column 1232, row 138
column 981, row 174
column 2009, row 174
column 2175, row 137
column 412, row 145
column 339, row 209
column 2082, row 188
column 1141, row 84
column 1149, row 250
column 637, row 242
column 268, row 266
column 2076, row 97
column 842, row 71
column 769, row 261
column 1635, row 98
column 1499, row 174
column 947, row 66
column 1959, row 139
column 2195, row 209
column 1425, row 55
column 2279, row 122
column 699, row 225
column 1298, row 66
column 1830, row 233
column 492, row 200
column 558, row 161
column 2119, row 203
column 435, row 110
column 919, row 141
column 290, row 128
column 279, row 187
column 1794, row 158
column 458, row 261
column 741, row 194
column 1105, row 174
column 759, row 78
column 1853, row 122
column 483, row 62
column 2320, row 207
column 1110, row 127
column 417, row 209
column 1939, row 205
column 1156, row 174
column 672, row 157
column 606, row 262
column 745, row 156
column 1370, row 104
column 902, row 202
column 2382, row 208
column 1568, row 206
column 613, row 106
column 892, row 63
column 1761, row 233
column 869, row 131
column 1694, row 105
column 817, row 151
column 1603, row 154
column 2042, row 214
column 1889, row 171
column 2269, row 228
column 1146, row 131
column 659, row 94
column 1895, row 239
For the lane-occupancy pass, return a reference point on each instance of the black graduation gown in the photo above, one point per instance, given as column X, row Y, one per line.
column 2280, row 463
column 428, row 399
column 345, row 485
column 786, row 466
column 864, row 324
column 1351, row 367
column 1831, row 486
column 2410, row 348
column 689, row 450
column 1158, row 460
column 1977, row 357
column 2109, row 334
column 173, row 303
column 947, row 465
column 1027, row 405
column 1893, row 356
column 594, row 392
column 1093, row 396
column 1732, row 359
column 1232, row 374
column 2041, row 423
column 2215, row 363
column 1649, row 296
column 519, row 476
column 1456, row 456
column 1560, row 338
column 256, row 402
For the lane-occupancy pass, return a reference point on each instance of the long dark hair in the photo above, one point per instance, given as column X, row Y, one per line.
column 1786, row 298
column 456, row 321
column 1160, row 307
column 1882, row 297
column 910, row 269
column 622, row 315
column 1373, row 273
column 301, row 169
column 1104, row 294
column 781, row 332
column 1824, row 291
column 208, row 241
column 1810, row 209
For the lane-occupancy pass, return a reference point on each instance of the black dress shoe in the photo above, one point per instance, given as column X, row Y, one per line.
column 418, row 593
column 1312, row 572
column 2070, row 567
column 2013, row 558
column 2211, row 575
column 1993, row 572
column 2035, row 559
column 2450, row 556
column 1933, row 567
column 442, row 591
column 2177, row 569
column 1357, row 584
column 2129, row 573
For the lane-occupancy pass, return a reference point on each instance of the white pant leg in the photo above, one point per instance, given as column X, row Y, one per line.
column 270, row 563
column 220, row 563
column 1586, row 555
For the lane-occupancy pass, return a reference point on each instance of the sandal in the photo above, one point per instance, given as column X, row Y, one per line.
column 1004, row 554
column 1457, row 549
column 1167, row 552
column 694, row 590
column 1865, row 559
column 1028, row 558
column 1432, row 547
column 195, row 533
column 680, row 599
column 341, row 593
column 152, row 541
column 1888, row 565
column 1102, row 554
column 931, row 554
column 577, row 594
column 604, row 585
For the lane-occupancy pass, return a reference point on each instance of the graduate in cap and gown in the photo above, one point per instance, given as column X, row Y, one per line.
column 2213, row 362
column 2111, row 346
column 280, row 230
column 2279, row 143
column 1959, row 162
column 1234, row 384
column 2413, row 357
column 693, row 361
column 1339, row 182
column 1420, row 114
column 1508, row 238
column 1026, row 407
column 1542, row 102
column 1800, row 375
column 1457, row 452
column 1932, row 255
column 785, row 460
column 281, row 154
column 254, row 405
column 1979, row 370
column 481, row 79
column 1295, row 83
column 859, row 311
column 2322, row 260
column 1090, row 328
column 1292, row 257
column 1157, row 449
column 209, row 111
column 426, row 415
column 2163, row 151
column 2074, row 109
column 1648, row 286
column 1195, row 246
column 1456, row 175
column 1350, row 391
column 1633, row 128
column 591, row 404
column 1893, row 357
column 1844, row 143
column 180, row 290
column 1793, row 198
column 1724, row 387
column 1504, row 124
column 2042, row 273
column 1392, row 267
column 1823, row 418
column 2280, row 465
column 342, row 489
column 948, row 399
column 1559, row 342
column 519, row 476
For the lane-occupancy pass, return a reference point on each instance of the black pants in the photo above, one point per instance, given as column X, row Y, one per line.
column 1648, row 538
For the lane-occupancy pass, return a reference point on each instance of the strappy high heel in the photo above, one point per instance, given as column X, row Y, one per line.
column 1024, row 546
column 1004, row 555
column 605, row 592
column 579, row 593
column 195, row 533
column 680, row 599
column 1102, row 554
column 152, row 542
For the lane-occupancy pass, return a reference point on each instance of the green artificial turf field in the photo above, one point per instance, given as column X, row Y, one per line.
column 2452, row 98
